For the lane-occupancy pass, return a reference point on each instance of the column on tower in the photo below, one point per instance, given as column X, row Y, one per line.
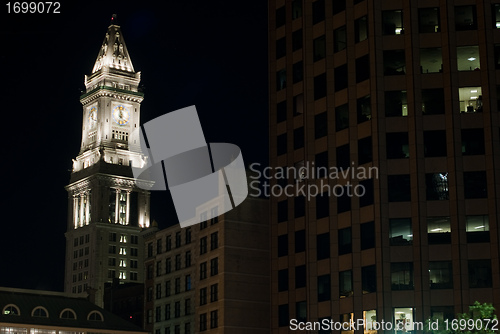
column 117, row 205
column 75, row 211
column 81, row 211
column 127, row 220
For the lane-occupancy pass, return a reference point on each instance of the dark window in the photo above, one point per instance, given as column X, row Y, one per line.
column 203, row 245
column 465, row 18
column 281, row 47
column 472, row 141
column 296, row 9
column 281, row 112
column 319, row 48
column 340, row 77
column 364, row 150
column 342, row 117
column 281, row 79
column 428, row 20
column 475, row 185
column 402, row 276
column 320, row 125
column 300, row 241
column 177, row 239
column 345, row 283
column 433, row 101
column 203, row 322
column 297, row 40
column 361, row 29
column 300, row 276
column 396, row 103
column 188, row 235
column 345, row 241
column 283, row 245
column 323, row 246
column 338, row 6
column 340, row 38
column 298, row 104
column 394, row 62
column 214, row 240
column 364, row 109
column 298, row 138
column 323, row 288
column 440, row 275
column 280, row 16
column 435, row 143
column 369, row 279
column 367, row 234
column 281, row 144
column 480, row 274
column 362, row 68
column 282, row 211
column 214, row 266
column 320, row 86
column 436, row 186
column 431, row 60
column 392, row 22
column 397, row 145
column 283, row 317
column 299, row 206
column 203, row 270
column 301, row 311
column 343, row 199
column 298, row 72
column 343, row 156
column 214, row 292
column 282, row 280
column 367, row 197
column 318, row 11
column 322, row 206
column 321, row 165
column 400, row 231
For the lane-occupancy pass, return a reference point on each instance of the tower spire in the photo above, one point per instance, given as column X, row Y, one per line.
column 113, row 52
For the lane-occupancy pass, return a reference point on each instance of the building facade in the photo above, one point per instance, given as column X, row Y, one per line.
column 211, row 277
column 388, row 110
column 106, row 208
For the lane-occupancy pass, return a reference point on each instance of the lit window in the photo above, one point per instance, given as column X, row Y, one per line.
column 403, row 318
column 436, row 186
column 440, row 275
column 123, row 263
column 438, row 230
column 392, row 21
column 477, row 228
column 123, row 251
column 123, row 275
column 471, row 99
column 123, row 238
column 11, row 310
column 468, row 58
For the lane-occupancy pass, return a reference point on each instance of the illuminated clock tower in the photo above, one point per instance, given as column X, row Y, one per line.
column 107, row 208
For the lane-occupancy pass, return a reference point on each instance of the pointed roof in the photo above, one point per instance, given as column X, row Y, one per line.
column 113, row 52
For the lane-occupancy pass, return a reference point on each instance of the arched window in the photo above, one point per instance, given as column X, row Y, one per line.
column 11, row 309
column 95, row 316
column 67, row 314
column 40, row 312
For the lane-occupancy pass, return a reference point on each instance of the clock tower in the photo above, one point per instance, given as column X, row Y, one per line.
column 107, row 207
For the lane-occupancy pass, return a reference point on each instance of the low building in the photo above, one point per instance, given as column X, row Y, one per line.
column 46, row 312
column 213, row 276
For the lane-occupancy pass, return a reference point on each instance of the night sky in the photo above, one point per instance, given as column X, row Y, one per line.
column 212, row 54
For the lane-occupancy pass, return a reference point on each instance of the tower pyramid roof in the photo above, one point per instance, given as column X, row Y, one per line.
column 113, row 52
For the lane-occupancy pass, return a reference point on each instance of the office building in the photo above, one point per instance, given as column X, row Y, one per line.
column 397, row 100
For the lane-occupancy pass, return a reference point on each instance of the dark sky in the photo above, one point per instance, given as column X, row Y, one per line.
column 212, row 54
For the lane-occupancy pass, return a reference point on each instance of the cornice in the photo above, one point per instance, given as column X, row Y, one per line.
column 116, row 93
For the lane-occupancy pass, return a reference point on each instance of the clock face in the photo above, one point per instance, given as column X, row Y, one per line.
column 93, row 117
column 121, row 115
